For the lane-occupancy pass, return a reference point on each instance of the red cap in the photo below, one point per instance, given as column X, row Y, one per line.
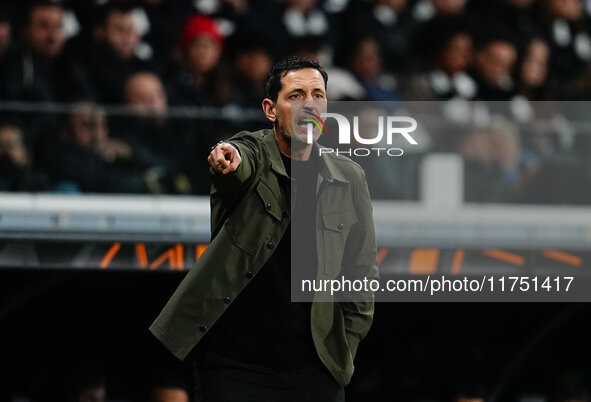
column 200, row 25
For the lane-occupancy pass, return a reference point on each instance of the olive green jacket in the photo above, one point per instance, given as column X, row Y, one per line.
column 250, row 211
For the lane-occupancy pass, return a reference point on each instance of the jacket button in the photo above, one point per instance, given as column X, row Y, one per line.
column 270, row 244
column 202, row 328
column 269, row 206
column 249, row 274
column 227, row 300
column 285, row 214
column 341, row 226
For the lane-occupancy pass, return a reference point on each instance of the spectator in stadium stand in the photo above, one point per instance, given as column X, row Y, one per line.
column 492, row 71
column 200, row 79
column 495, row 168
column 445, row 62
column 166, row 393
column 233, row 312
column 168, row 386
column 389, row 21
column 149, row 127
column 288, row 20
column 98, row 70
column 566, row 27
column 532, row 79
column 5, row 32
column 365, row 62
column 342, row 85
column 16, row 173
column 251, row 62
column 145, row 93
column 165, row 23
column 532, row 75
column 84, row 158
column 27, row 72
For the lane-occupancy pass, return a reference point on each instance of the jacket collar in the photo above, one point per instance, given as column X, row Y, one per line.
column 275, row 155
column 329, row 170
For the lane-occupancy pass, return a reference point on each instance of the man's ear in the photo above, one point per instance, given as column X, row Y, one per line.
column 269, row 110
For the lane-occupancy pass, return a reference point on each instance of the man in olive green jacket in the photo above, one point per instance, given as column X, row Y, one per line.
column 250, row 213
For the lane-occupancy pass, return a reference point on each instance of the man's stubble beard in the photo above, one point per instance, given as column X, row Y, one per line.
column 295, row 143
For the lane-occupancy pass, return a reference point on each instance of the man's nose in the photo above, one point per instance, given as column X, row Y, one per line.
column 309, row 105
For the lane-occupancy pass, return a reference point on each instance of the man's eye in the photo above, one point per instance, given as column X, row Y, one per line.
column 319, row 96
column 294, row 96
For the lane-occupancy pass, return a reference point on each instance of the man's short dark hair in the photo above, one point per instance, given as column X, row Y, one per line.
column 112, row 7
column 286, row 65
column 34, row 5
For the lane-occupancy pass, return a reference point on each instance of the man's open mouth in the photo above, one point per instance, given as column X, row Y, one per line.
column 303, row 121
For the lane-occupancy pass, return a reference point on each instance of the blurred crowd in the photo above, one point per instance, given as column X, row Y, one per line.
column 146, row 58
column 87, row 382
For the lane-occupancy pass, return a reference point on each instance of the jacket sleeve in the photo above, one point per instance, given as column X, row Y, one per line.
column 360, row 262
column 227, row 189
column 235, row 181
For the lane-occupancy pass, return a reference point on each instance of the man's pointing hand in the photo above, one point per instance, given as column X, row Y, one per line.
column 224, row 158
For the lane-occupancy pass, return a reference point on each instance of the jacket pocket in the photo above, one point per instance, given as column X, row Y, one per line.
column 336, row 228
column 269, row 201
column 251, row 224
